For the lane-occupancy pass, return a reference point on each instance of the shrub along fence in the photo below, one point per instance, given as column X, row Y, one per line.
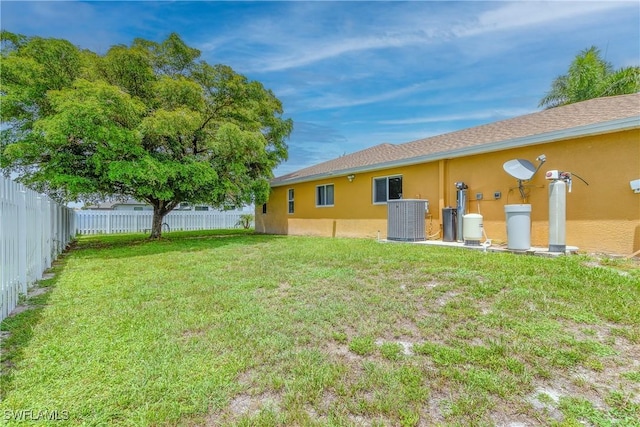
column 34, row 230
column 128, row 221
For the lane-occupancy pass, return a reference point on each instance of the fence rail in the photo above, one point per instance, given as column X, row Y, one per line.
column 111, row 222
column 34, row 230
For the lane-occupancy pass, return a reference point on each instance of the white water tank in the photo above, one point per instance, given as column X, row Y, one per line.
column 518, row 227
column 557, row 216
column 472, row 229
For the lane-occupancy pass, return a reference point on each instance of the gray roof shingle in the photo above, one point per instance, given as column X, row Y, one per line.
column 613, row 113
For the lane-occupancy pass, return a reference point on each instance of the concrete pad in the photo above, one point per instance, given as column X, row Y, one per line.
column 538, row 251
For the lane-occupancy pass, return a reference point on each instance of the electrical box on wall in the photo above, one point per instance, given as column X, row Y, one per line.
column 497, row 195
column 478, row 196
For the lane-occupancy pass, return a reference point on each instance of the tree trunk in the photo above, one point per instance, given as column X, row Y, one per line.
column 156, row 225
column 160, row 209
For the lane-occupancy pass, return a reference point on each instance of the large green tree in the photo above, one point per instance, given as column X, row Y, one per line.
column 590, row 76
column 148, row 121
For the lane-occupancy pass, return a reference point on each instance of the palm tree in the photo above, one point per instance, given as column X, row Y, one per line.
column 589, row 77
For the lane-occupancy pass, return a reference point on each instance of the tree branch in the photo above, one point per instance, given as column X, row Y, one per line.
column 228, row 103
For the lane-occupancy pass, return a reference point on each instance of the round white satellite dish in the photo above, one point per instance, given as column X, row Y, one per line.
column 519, row 168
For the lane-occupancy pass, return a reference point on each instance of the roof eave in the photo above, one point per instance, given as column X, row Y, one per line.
column 618, row 125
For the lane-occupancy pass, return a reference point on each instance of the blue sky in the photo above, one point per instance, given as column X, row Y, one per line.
column 356, row 74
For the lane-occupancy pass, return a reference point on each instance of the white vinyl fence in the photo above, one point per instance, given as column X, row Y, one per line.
column 34, row 230
column 111, row 222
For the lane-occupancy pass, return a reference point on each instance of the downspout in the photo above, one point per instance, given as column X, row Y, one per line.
column 442, row 188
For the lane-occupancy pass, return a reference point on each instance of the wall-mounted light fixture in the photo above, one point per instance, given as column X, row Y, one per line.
column 351, row 177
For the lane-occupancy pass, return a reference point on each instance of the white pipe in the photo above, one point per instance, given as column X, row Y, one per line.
column 487, row 241
column 436, row 234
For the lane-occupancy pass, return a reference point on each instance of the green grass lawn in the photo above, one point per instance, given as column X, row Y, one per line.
column 232, row 328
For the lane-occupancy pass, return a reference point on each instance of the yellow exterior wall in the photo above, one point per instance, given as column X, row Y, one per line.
column 601, row 217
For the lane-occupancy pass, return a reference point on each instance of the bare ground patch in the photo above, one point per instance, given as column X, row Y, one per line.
column 247, row 403
column 243, row 405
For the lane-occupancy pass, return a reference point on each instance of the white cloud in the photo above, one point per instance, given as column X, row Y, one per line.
column 517, row 15
column 304, row 38
column 336, row 100
column 492, row 114
column 329, row 49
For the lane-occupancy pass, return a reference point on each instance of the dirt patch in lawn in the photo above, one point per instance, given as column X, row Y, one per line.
column 247, row 403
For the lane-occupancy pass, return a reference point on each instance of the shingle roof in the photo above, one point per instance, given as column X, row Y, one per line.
column 595, row 116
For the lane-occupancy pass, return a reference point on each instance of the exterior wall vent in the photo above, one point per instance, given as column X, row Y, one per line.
column 405, row 220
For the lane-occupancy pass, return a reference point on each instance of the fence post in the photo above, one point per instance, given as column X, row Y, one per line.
column 39, row 266
column 59, row 213
column 46, row 236
column 54, row 231
column 22, row 240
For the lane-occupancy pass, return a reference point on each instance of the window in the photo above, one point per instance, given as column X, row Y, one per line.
column 264, row 208
column 290, row 198
column 387, row 188
column 137, row 208
column 324, row 195
column 201, row 208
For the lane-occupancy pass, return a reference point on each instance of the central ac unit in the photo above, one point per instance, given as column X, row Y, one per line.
column 405, row 220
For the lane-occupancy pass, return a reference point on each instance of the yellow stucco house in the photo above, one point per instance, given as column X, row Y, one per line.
column 598, row 140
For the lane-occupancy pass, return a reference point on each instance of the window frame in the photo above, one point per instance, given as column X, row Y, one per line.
column 291, row 201
column 333, row 195
column 386, row 178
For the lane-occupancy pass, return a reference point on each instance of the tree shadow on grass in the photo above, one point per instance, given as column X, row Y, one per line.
column 134, row 245
column 18, row 328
